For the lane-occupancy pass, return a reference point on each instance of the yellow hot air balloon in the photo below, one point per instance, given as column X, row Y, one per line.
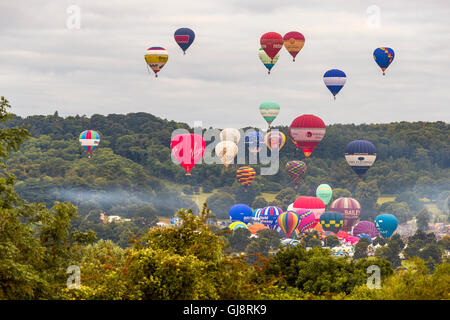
column 156, row 58
column 275, row 139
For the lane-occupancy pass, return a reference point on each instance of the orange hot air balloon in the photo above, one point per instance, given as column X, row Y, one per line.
column 293, row 42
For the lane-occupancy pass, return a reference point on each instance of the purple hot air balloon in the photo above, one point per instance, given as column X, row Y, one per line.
column 366, row 227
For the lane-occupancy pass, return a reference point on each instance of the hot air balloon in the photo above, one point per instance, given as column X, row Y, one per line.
column 245, row 176
column 383, row 56
column 334, row 79
column 386, row 224
column 351, row 239
column 271, row 43
column 296, row 170
column 226, row 151
column 275, row 139
column 230, row 134
column 269, row 216
column 236, row 225
column 184, row 38
column 332, row 221
column 254, row 140
column 293, row 42
column 266, row 60
column 342, row 234
column 254, row 228
column 289, row 242
column 364, row 235
column 240, row 212
column 310, row 204
column 188, row 149
column 349, row 208
column 366, row 227
column 307, row 220
column 256, row 214
column 307, row 131
column 269, row 110
column 324, row 192
column 360, row 156
column 89, row 139
column 156, row 58
column 288, row 222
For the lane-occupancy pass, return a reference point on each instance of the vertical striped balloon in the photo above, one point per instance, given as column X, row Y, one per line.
column 288, row 222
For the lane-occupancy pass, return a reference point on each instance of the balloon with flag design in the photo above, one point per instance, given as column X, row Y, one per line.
column 184, row 38
column 156, row 58
column 188, row 149
column 296, row 171
column 383, row 56
column 288, row 222
column 334, row 79
column 89, row 140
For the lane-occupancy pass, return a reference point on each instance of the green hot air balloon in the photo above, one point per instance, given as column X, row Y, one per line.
column 331, row 221
column 324, row 192
column 269, row 110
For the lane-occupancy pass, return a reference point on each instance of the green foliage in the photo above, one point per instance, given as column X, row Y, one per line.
column 220, row 204
column 331, row 241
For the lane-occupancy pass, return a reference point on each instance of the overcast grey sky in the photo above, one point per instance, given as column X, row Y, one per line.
column 100, row 68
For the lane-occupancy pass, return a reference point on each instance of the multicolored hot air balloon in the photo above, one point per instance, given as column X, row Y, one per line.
column 307, row 220
column 349, row 208
column 256, row 214
column 296, row 170
column 184, row 38
column 293, row 42
column 226, row 151
column 288, row 222
column 332, row 221
column 245, row 176
column 89, row 139
column 313, row 204
column 269, row 110
column 360, row 156
column 269, row 216
column 275, row 139
column 271, row 43
column 324, row 192
column 254, row 140
column 307, row 131
column 386, row 224
column 188, row 149
column 364, row 235
column 156, row 58
column 236, row 225
column 240, row 212
column 383, row 56
column 365, row 227
column 334, row 79
column 266, row 60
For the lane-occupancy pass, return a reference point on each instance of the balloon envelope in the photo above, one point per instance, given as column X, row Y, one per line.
column 240, row 212
column 386, row 224
column 360, row 156
column 254, row 140
column 332, row 221
column 236, row 225
column 307, row 131
column 288, row 222
column 156, row 58
column 349, row 208
column 188, row 149
column 293, row 42
column 268, row 62
column 184, row 38
column 365, row 227
column 334, row 80
column 254, row 228
column 310, row 204
column 275, row 139
column 271, row 43
column 89, row 140
column 230, row 134
column 307, row 220
column 383, row 56
column 245, row 175
column 296, row 171
column 269, row 110
column 269, row 216
column 324, row 192
column 226, row 151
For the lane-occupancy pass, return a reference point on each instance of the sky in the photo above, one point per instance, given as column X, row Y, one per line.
column 86, row 57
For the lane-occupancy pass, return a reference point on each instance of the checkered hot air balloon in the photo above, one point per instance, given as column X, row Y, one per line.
column 296, row 170
column 245, row 176
column 332, row 221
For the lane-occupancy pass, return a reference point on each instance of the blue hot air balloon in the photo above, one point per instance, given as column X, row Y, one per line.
column 269, row 216
column 240, row 212
column 383, row 56
column 254, row 140
column 386, row 224
column 334, row 79
column 360, row 156
column 184, row 38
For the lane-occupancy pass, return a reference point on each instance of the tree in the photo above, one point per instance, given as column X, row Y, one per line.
column 286, row 197
column 259, row 202
column 331, row 241
column 239, row 239
column 392, row 251
column 340, row 193
column 399, row 209
column 361, row 249
column 422, row 220
column 220, row 203
column 412, row 199
column 367, row 194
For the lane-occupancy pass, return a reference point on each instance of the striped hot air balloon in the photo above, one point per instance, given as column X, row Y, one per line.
column 89, row 139
column 266, row 60
column 307, row 220
column 269, row 110
column 293, row 42
column 307, row 131
column 245, row 176
column 360, row 156
column 275, row 139
column 296, row 170
column 349, row 208
column 288, row 222
column 236, row 225
column 313, row 204
column 334, row 79
column 156, row 58
column 269, row 216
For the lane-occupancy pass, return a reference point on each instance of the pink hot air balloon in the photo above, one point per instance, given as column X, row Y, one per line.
column 352, row 239
column 366, row 227
column 271, row 43
column 349, row 208
column 188, row 149
column 313, row 204
column 306, row 218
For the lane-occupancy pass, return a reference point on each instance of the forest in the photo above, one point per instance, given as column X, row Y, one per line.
column 52, row 196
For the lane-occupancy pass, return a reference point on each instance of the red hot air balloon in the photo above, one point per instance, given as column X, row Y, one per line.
column 271, row 43
column 293, row 42
column 188, row 149
column 307, row 131
column 313, row 204
column 350, row 209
